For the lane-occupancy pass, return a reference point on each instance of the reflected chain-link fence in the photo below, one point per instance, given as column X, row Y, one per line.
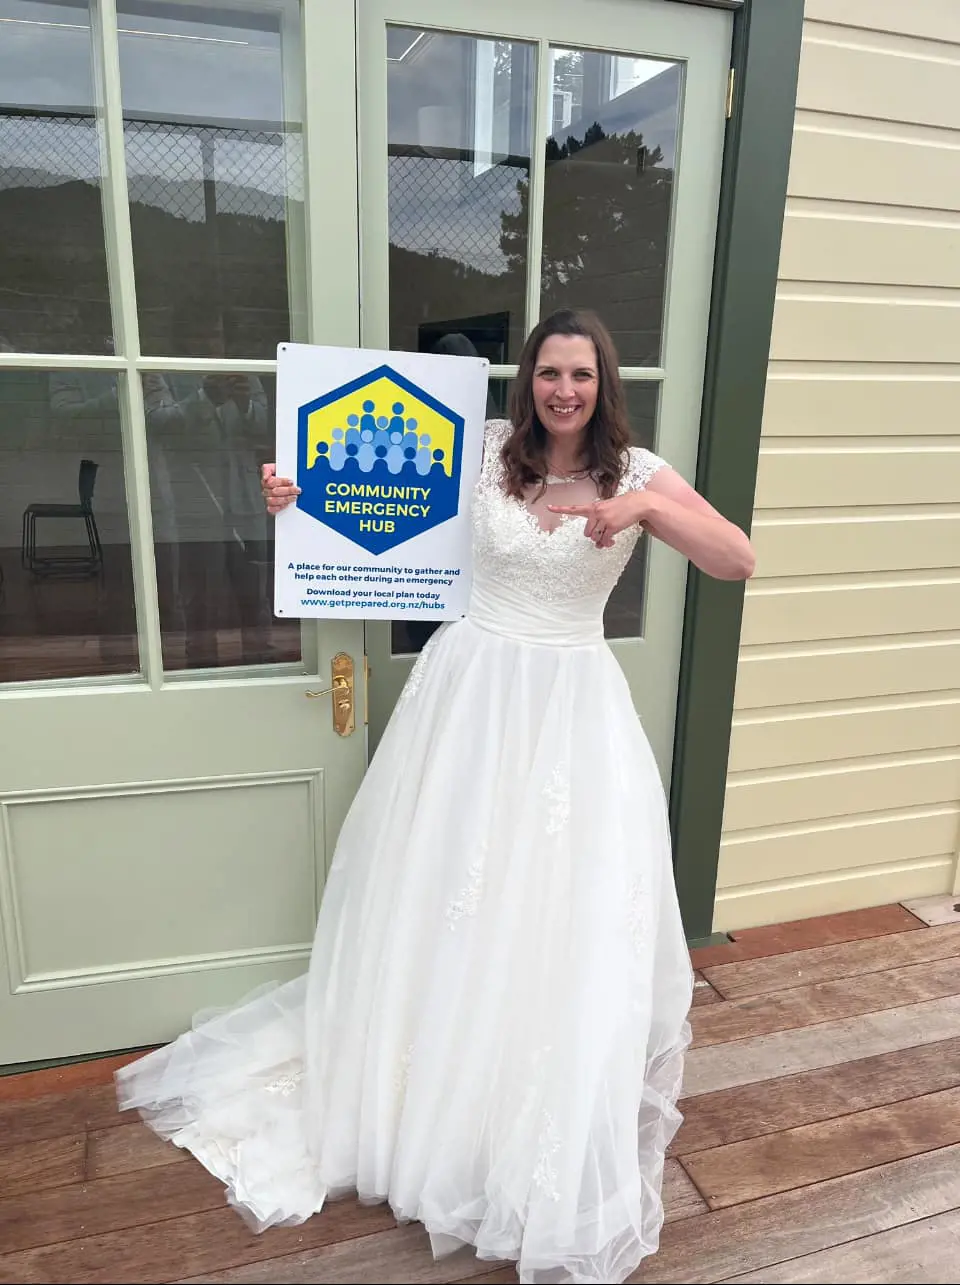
column 195, row 171
column 445, row 203
column 253, row 169
column 212, row 205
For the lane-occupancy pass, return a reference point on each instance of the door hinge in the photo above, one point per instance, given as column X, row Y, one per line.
column 728, row 102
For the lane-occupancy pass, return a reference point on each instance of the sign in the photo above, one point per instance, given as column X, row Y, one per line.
column 386, row 450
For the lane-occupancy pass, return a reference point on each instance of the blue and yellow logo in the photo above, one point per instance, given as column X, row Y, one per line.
column 378, row 460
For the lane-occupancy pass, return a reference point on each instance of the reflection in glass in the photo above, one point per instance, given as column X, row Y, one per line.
column 53, row 267
column 207, row 436
column 607, row 193
column 643, row 399
column 459, row 132
column 212, row 125
column 409, row 637
column 66, row 585
column 624, row 614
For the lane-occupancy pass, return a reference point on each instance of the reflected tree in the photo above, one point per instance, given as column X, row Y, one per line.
column 606, row 216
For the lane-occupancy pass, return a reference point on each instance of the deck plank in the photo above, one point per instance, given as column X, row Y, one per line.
column 396, row 1257
column 825, row 1002
column 501, row 1274
column 920, row 1253
column 760, row 1234
column 748, row 1061
column 36, row 1166
column 749, row 1111
column 55, row 1115
column 129, row 1149
column 680, row 1197
column 151, row 1253
column 63, row 1079
column 831, row 963
column 813, row 1153
column 803, row 934
column 109, row 1204
column 703, row 992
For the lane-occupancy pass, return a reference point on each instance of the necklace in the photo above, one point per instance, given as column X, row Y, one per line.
column 575, row 475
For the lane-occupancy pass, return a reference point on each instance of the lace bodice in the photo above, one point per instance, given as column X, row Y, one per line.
column 513, row 552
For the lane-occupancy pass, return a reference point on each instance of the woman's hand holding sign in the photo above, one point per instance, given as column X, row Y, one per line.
column 279, row 492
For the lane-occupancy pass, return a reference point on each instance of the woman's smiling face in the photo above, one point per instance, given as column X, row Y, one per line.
column 566, row 384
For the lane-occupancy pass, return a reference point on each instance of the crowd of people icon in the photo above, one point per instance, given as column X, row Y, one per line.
column 369, row 439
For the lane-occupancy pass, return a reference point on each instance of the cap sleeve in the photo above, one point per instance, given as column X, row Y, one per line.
column 495, row 433
column 641, row 467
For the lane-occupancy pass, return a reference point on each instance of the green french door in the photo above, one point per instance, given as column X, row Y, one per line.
column 169, row 797
column 516, row 158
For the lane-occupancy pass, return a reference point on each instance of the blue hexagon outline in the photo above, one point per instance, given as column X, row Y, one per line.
column 408, row 386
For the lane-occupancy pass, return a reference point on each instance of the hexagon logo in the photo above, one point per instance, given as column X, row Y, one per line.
column 378, row 460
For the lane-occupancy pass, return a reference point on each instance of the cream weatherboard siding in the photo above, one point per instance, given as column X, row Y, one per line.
column 844, row 775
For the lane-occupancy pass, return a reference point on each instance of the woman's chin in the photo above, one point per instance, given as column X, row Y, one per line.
column 563, row 426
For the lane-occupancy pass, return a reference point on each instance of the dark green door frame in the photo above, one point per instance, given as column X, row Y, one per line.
column 766, row 55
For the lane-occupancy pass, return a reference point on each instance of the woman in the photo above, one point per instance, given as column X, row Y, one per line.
column 492, row 1030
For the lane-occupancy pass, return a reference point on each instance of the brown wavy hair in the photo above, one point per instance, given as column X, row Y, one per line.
column 608, row 433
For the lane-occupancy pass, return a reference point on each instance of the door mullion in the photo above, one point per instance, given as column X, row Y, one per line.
column 374, row 181
column 543, row 84
column 120, row 275
column 294, row 86
column 330, row 172
column 331, row 197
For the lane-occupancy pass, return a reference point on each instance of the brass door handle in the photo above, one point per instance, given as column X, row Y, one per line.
column 342, row 690
column 339, row 685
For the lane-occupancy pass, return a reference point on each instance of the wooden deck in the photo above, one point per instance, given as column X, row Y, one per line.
column 821, row 1142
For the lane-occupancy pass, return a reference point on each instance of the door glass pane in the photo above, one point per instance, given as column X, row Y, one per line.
column 212, row 124
column 53, row 267
column 624, row 614
column 607, row 193
column 643, row 399
column 459, row 136
column 409, row 637
column 66, row 586
column 207, row 436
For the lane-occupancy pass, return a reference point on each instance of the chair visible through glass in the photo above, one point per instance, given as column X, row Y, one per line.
column 67, row 604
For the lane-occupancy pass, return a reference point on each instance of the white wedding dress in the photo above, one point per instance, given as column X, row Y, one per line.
column 491, row 1033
